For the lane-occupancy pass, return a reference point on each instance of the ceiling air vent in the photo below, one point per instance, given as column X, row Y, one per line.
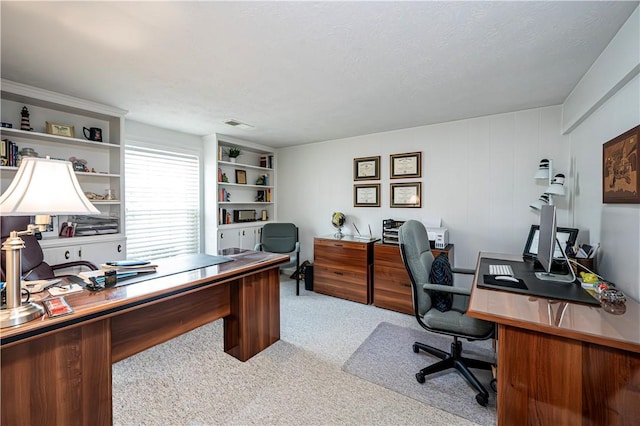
column 238, row 124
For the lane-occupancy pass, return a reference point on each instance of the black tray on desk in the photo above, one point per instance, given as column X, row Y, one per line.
column 525, row 271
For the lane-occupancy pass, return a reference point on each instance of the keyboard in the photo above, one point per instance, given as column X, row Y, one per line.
column 500, row 270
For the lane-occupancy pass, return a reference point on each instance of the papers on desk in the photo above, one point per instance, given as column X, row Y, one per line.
column 123, row 269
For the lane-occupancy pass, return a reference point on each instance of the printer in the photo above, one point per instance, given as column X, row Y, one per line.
column 439, row 237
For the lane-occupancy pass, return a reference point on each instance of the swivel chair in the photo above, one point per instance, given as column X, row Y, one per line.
column 282, row 238
column 418, row 259
column 33, row 265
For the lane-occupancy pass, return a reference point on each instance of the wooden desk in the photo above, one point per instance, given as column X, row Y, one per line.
column 58, row 371
column 561, row 363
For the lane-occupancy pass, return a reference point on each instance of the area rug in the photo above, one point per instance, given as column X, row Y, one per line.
column 386, row 358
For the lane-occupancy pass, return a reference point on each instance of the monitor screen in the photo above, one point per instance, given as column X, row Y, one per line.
column 547, row 237
column 565, row 236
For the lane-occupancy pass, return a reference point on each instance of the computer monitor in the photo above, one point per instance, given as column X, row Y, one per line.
column 547, row 245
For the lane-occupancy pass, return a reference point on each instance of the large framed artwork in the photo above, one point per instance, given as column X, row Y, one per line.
column 620, row 177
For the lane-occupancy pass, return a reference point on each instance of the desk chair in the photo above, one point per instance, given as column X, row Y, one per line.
column 418, row 259
column 33, row 265
column 282, row 238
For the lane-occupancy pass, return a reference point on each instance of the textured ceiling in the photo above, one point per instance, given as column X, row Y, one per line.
column 302, row 72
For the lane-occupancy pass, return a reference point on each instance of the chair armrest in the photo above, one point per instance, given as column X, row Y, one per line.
column 75, row 263
column 447, row 289
column 297, row 249
column 464, row 271
column 258, row 247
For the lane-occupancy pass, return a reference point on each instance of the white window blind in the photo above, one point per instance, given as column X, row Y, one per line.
column 162, row 203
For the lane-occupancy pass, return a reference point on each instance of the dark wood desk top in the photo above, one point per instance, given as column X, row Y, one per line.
column 89, row 305
column 570, row 320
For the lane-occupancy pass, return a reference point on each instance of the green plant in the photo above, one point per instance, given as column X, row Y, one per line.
column 233, row 152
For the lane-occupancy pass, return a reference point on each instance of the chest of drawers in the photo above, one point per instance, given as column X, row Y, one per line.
column 391, row 284
column 343, row 267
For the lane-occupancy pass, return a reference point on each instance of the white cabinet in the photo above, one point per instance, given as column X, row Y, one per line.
column 245, row 192
column 103, row 160
column 92, row 249
column 245, row 237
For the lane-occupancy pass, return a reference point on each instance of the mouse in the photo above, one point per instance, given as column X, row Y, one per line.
column 506, row 278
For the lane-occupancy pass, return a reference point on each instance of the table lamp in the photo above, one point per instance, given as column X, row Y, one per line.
column 41, row 187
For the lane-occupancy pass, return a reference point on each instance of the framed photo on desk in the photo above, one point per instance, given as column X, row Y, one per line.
column 566, row 236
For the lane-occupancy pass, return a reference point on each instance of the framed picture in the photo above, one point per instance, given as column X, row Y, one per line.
column 407, row 165
column 620, row 176
column 61, row 129
column 366, row 168
column 241, row 177
column 366, row 195
column 406, row 194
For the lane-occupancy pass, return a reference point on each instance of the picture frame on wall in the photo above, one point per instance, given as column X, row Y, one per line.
column 406, row 194
column 241, row 177
column 408, row 165
column 366, row 168
column 366, row 195
column 620, row 174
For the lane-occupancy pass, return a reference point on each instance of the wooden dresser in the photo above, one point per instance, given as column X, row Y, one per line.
column 391, row 284
column 343, row 267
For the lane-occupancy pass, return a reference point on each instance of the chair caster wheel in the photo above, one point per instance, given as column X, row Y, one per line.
column 420, row 377
column 494, row 385
column 416, row 349
column 482, row 400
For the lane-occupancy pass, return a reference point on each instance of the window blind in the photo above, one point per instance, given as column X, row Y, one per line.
column 162, row 211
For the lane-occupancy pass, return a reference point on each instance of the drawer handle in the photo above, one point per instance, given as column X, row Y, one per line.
column 338, row 273
column 337, row 245
column 67, row 255
column 119, row 248
column 406, row 285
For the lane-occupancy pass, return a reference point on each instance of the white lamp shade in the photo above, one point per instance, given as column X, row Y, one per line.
column 557, row 185
column 543, row 169
column 44, row 186
column 542, row 201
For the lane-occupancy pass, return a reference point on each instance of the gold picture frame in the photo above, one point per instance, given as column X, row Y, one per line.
column 406, row 166
column 57, row 129
column 366, row 195
column 406, row 194
column 366, row 168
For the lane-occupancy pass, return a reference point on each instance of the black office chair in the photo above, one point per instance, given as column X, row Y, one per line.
column 418, row 259
column 33, row 265
column 282, row 238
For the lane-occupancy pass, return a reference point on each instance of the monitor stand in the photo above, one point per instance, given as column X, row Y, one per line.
column 548, row 276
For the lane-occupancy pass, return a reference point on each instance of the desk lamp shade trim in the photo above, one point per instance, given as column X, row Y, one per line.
column 44, row 186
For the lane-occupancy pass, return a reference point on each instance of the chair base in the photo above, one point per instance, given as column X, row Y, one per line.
column 457, row 361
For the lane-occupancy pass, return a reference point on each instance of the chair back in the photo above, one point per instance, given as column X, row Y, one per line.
column 417, row 258
column 279, row 237
column 32, row 255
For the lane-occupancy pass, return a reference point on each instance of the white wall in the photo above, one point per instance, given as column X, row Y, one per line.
column 477, row 176
column 606, row 103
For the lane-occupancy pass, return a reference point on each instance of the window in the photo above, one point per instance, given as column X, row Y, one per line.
column 162, row 203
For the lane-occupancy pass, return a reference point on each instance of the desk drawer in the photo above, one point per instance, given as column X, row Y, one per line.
column 351, row 285
column 392, row 288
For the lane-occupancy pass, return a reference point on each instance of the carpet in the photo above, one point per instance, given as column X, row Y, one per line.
column 386, row 358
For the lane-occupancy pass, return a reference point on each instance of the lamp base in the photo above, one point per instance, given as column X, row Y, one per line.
column 28, row 311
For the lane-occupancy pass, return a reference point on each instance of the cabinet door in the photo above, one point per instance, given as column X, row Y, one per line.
column 100, row 253
column 228, row 239
column 249, row 237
